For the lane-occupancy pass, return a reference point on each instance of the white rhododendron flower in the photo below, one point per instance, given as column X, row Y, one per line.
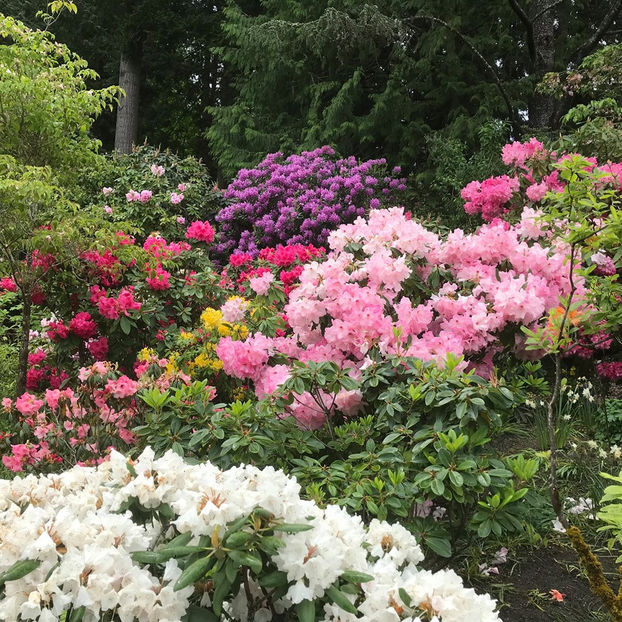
column 76, row 525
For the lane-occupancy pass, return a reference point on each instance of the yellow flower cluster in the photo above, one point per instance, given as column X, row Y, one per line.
column 208, row 358
column 146, row 353
column 211, row 318
column 171, row 366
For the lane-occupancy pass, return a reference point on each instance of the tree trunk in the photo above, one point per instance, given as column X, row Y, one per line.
column 542, row 107
column 22, row 367
column 126, row 131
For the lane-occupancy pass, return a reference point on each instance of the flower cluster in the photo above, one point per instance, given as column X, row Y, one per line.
column 299, row 199
column 200, row 231
column 534, row 175
column 84, row 548
column 111, row 308
column 42, row 374
column 372, row 291
column 143, row 196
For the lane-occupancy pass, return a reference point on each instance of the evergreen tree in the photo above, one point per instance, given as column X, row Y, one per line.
column 376, row 81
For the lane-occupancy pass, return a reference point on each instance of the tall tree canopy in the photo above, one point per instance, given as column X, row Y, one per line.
column 373, row 80
column 231, row 80
column 168, row 42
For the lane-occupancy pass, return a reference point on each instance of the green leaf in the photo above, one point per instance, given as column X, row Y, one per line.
column 247, row 559
column 441, row 546
column 352, row 576
column 223, row 585
column 19, row 570
column 181, row 540
column 238, row 538
column 199, row 614
column 77, row 614
column 126, row 325
column 145, row 557
column 404, row 596
column 193, row 573
column 274, row 579
column 340, row 599
column 292, row 527
column 306, row 611
column 456, row 479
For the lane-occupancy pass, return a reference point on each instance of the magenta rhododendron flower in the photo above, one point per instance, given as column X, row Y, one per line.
column 159, row 278
column 83, row 326
column 98, row 348
column 201, row 231
column 8, row 284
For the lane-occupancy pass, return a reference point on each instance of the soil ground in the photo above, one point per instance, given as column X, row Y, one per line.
column 523, row 587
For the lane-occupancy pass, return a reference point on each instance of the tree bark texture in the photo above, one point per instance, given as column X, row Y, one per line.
column 542, row 107
column 126, row 132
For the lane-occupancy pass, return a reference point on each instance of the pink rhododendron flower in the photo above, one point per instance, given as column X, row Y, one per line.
column 157, row 170
column 349, row 402
column 261, row 284
column 145, row 195
column 106, row 191
column 516, row 153
column 28, row 404
column 52, row 397
column 176, row 198
column 536, row 192
column 490, row 196
column 234, row 309
column 122, row 387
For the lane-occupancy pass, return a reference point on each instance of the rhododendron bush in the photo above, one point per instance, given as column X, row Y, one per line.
column 123, row 297
column 155, row 190
column 572, row 198
column 82, row 424
column 158, row 539
column 388, row 282
column 300, row 199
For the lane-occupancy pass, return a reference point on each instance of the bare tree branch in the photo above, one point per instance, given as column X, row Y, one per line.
column 506, row 98
column 531, row 46
column 584, row 49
